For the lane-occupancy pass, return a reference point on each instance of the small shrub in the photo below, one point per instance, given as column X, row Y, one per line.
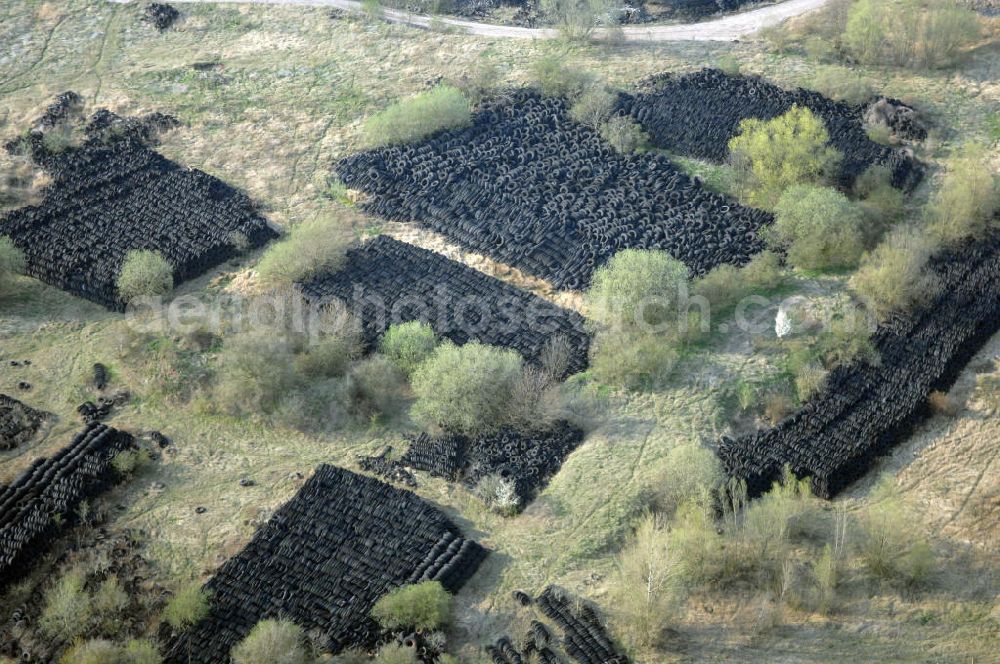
column 777, row 406
column 95, row 651
column 110, row 599
column 865, row 34
column 129, row 462
column 498, row 494
column 466, row 388
column 330, row 355
column 576, row 19
column 809, row 381
column 396, row 653
column 313, row 247
column 819, row 227
column 880, row 133
column 881, row 202
column 624, row 134
column 256, row 370
column 942, row 403
column 378, row 387
column 890, row 548
column 239, row 242
column 144, row 274
column 763, row 272
column 443, row 107
column 770, row 156
column 842, row 84
column 423, row 606
column 827, row 574
column 272, row 642
column 67, row 612
column 966, row 203
column 692, row 472
column 729, row 64
column 478, row 82
column 594, row 107
column 408, row 344
column 725, row 285
column 894, row 276
column 187, row 607
column 636, row 288
column 552, row 78
column 59, row 139
column 634, row 361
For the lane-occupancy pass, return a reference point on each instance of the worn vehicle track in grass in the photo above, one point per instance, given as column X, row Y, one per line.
column 726, row 28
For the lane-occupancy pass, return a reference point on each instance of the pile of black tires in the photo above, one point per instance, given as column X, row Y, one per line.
column 19, row 423
column 526, row 459
column 585, row 639
column 54, row 486
column 386, row 281
column 865, row 410
column 323, row 560
column 160, row 15
column 529, row 187
column 115, row 194
column 696, row 114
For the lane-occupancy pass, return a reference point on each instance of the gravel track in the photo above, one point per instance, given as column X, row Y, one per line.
column 726, row 28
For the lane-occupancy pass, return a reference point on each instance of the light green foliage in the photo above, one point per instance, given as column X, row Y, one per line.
column 330, row 355
column 188, row 606
column 894, row 276
column 594, row 106
column 624, row 134
column 498, row 494
column 100, row 651
column 466, row 388
column 647, row 591
column 891, row 548
column 478, row 81
column 408, row 344
column 396, row 653
column 966, row 202
column 129, row 462
column 910, row 33
column 772, row 155
column 58, row 139
column 443, row 107
column 692, row 473
column 633, row 360
column 818, row 227
column 144, row 274
column 424, row 606
column 256, row 370
column 378, row 388
column 576, row 19
column 67, row 612
column 11, row 263
column 842, row 84
column 809, row 380
column 729, row 64
column 311, row 248
column 636, row 288
column 725, row 285
column 553, row 78
column 881, row 202
column 110, row 599
column 272, row 642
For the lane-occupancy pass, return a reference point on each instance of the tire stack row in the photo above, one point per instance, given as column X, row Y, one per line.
column 53, row 487
column 529, row 187
column 865, row 410
column 18, row 422
column 696, row 115
column 107, row 199
column 528, row 460
column 386, row 281
column 323, row 560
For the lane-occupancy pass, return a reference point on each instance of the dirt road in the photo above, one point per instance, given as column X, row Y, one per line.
column 726, row 28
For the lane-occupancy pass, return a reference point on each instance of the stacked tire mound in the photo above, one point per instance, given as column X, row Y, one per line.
column 160, row 15
column 696, row 115
column 386, row 281
column 54, row 486
column 528, row 460
column 19, row 423
column 529, row 187
column 323, row 560
column 865, row 410
column 64, row 106
column 585, row 639
column 109, row 198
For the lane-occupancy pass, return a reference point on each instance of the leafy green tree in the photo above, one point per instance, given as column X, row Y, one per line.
column 425, row 606
column 408, row 344
column 143, row 274
column 819, row 227
column 273, row 642
column 311, row 248
column 637, row 287
column 444, row 107
column 770, row 156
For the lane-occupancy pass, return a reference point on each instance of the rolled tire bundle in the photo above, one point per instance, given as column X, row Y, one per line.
column 697, row 114
column 529, row 187
column 866, row 409
column 386, row 281
column 584, row 636
column 51, row 486
column 323, row 560
column 115, row 194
